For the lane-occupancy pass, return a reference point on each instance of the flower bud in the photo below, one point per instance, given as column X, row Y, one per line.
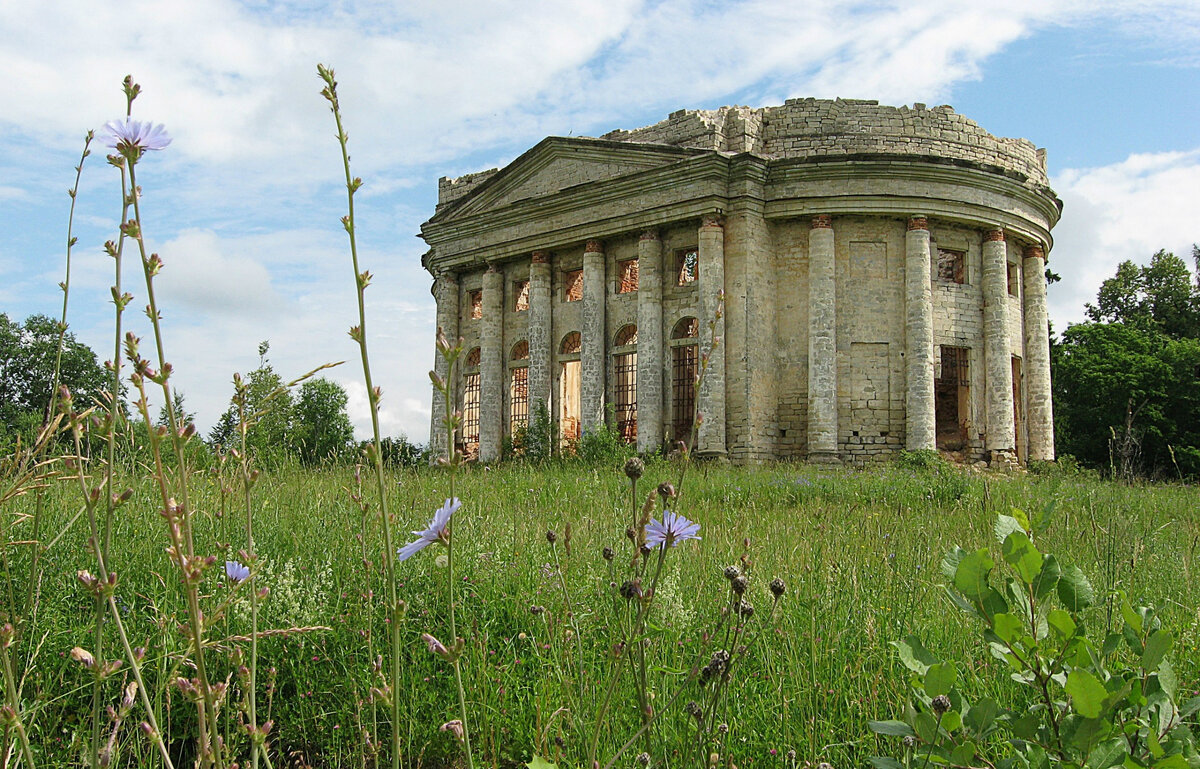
column 777, row 587
column 634, row 467
column 940, row 704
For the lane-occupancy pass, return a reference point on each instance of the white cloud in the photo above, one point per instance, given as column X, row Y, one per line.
column 1128, row 210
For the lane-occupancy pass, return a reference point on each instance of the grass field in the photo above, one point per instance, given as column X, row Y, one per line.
column 859, row 551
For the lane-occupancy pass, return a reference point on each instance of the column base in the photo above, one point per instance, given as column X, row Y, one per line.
column 719, row 456
column 824, row 458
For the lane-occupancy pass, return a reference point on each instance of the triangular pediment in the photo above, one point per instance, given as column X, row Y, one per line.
column 557, row 164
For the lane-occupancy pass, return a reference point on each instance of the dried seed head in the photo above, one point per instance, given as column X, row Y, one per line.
column 731, row 572
column 778, row 587
column 608, row 553
column 738, row 584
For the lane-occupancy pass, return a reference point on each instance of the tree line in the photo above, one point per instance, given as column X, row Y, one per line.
column 1126, row 385
column 309, row 425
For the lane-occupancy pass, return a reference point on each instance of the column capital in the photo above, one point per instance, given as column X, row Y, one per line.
column 594, row 247
column 822, row 222
column 650, row 233
column 540, row 257
column 996, row 235
column 918, row 223
column 493, row 267
column 1035, row 252
column 712, row 221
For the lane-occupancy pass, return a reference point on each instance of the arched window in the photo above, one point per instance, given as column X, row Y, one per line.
column 625, row 381
column 518, row 387
column 468, row 436
column 571, row 344
column 685, row 367
column 686, row 328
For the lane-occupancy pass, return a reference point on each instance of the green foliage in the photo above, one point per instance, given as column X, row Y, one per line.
column 1161, row 296
column 1127, row 384
column 604, row 446
column 1095, row 699
column 27, row 355
column 268, row 413
column 541, row 436
column 321, row 429
column 1125, row 396
column 400, row 452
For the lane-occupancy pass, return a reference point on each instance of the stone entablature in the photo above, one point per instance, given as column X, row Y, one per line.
column 885, row 297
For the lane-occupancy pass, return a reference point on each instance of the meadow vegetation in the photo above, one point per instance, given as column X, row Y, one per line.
column 859, row 552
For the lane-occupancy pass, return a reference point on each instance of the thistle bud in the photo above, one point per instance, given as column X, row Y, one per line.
column 634, row 467
column 777, row 587
column 940, row 704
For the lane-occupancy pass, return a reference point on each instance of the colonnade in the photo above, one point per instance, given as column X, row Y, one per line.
column 822, row 414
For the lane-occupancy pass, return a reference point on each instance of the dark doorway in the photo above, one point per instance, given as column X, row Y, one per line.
column 952, row 395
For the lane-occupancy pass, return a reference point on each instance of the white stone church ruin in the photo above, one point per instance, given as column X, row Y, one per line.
column 882, row 268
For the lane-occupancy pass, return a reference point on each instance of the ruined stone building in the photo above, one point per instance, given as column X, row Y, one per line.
column 882, row 272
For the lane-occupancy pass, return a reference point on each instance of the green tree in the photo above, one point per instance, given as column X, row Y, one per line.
column 27, row 354
column 321, row 429
column 268, row 413
column 1162, row 296
column 1127, row 385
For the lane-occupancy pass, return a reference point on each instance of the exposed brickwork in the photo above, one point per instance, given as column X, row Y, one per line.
column 918, row 223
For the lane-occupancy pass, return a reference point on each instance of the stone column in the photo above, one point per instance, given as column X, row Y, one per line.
column 539, row 333
column 1001, row 435
column 592, row 338
column 822, row 343
column 445, row 293
column 1040, row 410
column 919, row 423
column 651, row 345
column 710, row 438
column 491, row 366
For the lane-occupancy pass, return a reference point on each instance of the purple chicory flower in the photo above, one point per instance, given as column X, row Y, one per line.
column 432, row 533
column 236, row 572
column 133, row 137
column 674, row 528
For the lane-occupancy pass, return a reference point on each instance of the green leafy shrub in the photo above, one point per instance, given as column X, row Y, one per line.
column 1098, row 699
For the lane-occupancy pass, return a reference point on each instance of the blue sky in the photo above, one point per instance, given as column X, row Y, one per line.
column 244, row 205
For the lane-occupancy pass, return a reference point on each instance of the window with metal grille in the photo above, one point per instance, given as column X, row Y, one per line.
column 520, row 351
column 625, row 394
column 520, row 295
column 685, row 365
column 518, row 399
column 473, row 358
column 951, row 266
column 571, row 344
column 687, row 266
column 626, row 336
column 573, row 286
column 469, row 433
column 627, row 276
column 476, row 299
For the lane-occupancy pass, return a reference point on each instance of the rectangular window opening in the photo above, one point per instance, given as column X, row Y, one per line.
column 951, row 266
column 687, row 266
column 520, row 295
column 627, row 281
column 1014, row 280
column 573, row 286
column 476, row 300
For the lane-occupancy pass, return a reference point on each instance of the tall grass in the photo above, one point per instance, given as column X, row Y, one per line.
column 859, row 551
